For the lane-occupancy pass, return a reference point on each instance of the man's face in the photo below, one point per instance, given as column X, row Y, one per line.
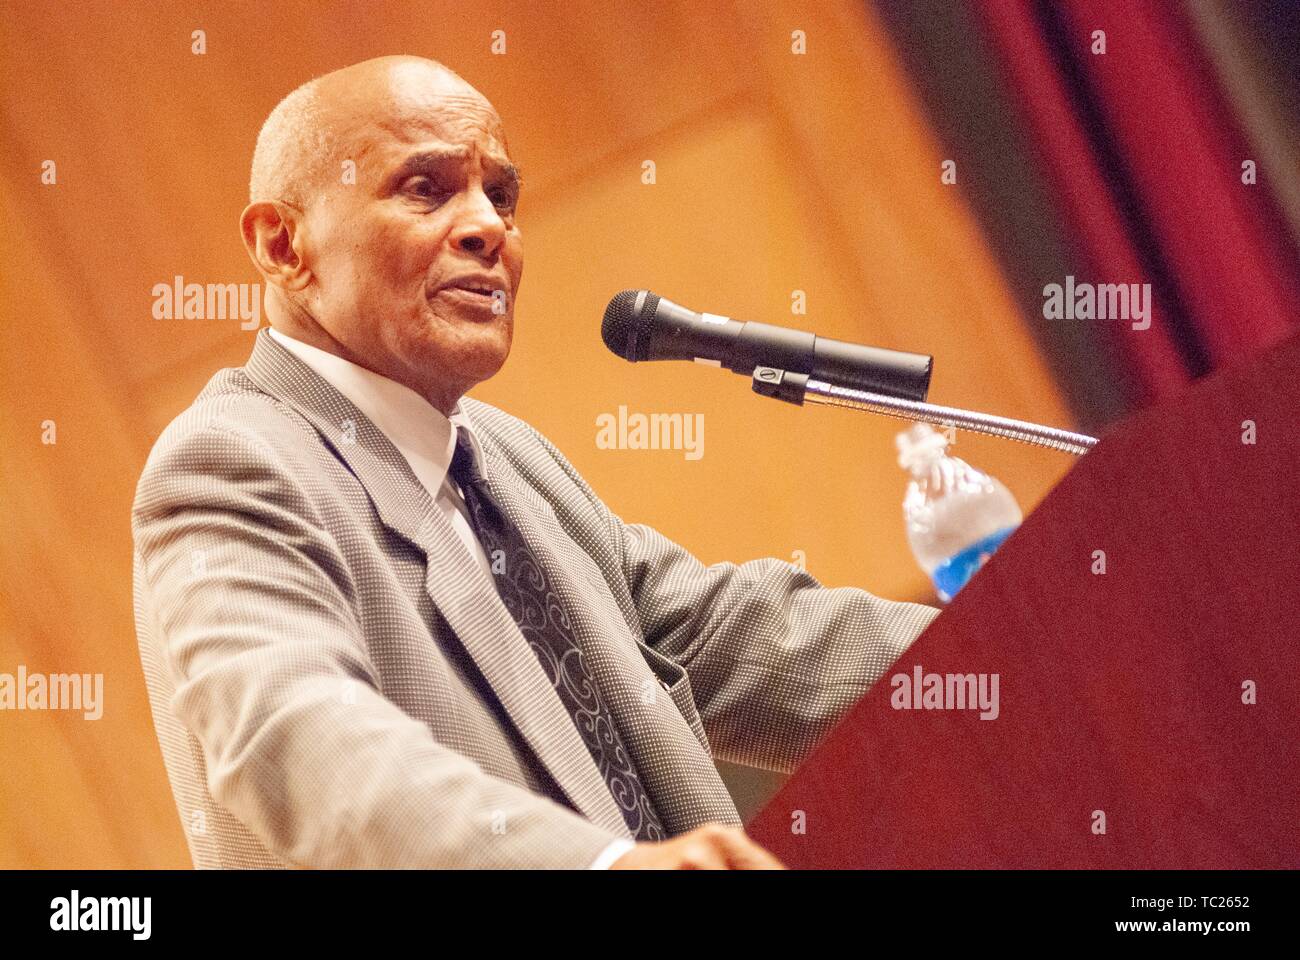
column 433, row 206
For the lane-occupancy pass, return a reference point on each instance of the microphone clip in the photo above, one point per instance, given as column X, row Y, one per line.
column 780, row 384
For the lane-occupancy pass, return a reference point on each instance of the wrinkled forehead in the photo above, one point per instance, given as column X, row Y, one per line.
column 414, row 106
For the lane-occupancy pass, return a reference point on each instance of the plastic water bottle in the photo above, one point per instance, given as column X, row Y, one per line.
column 956, row 516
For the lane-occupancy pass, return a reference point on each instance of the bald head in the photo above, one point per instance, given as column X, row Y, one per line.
column 299, row 143
column 410, row 265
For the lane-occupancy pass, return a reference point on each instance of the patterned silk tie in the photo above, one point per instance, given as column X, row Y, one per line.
column 541, row 617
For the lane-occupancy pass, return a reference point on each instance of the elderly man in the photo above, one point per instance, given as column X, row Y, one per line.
column 387, row 625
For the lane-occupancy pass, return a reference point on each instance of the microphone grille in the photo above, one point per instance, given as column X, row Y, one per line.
column 625, row 329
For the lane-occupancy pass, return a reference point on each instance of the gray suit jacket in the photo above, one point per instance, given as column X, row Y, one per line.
column 335, row 682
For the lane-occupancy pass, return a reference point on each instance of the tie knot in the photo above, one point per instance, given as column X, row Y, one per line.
column 463, row 468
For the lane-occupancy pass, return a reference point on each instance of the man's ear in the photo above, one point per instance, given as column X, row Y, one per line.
column 271, row 237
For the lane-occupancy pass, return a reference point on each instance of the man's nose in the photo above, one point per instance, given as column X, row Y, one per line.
column 479, row 228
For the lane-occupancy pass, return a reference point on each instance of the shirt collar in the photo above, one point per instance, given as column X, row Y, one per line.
column 418, row 429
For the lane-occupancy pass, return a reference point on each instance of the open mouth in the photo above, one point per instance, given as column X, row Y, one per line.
column 484, row 291
column 482, row 297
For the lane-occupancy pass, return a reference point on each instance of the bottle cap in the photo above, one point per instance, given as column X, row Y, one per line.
column 920, row 443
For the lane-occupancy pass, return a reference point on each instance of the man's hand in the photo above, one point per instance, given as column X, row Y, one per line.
column 713, row 846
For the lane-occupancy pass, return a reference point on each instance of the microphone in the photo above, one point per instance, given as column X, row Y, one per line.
column 640, row 325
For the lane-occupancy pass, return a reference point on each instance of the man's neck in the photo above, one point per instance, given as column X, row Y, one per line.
column 314, row 335
column 307, row 330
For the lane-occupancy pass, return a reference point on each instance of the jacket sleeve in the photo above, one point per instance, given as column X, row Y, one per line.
column 774, row 657
column 253, row 605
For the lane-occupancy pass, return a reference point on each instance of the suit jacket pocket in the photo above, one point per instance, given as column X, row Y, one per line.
column 673, row 679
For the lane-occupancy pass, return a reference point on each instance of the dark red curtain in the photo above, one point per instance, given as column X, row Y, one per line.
column 1146, row 161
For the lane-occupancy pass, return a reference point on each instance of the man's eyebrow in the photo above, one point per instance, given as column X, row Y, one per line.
column 429, row 160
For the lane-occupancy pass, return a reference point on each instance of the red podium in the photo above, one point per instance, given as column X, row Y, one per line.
column 1148, row 715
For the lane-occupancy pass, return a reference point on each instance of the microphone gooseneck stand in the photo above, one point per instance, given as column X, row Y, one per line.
column 797, row 388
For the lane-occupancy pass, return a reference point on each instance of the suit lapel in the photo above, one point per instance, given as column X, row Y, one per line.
column 467, row 600
column 686, row 791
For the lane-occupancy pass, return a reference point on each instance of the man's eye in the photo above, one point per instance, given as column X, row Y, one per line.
column 426, row 189
column 422, row 187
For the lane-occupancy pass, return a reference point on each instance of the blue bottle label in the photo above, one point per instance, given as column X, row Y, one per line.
column 953, row 574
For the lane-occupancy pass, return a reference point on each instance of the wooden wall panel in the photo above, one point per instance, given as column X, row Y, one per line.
column 775, row 173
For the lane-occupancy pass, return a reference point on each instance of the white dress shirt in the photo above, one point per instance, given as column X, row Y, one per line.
column 427, row 439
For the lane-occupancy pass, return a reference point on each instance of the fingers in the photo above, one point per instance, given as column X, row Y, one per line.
column 715, row 846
